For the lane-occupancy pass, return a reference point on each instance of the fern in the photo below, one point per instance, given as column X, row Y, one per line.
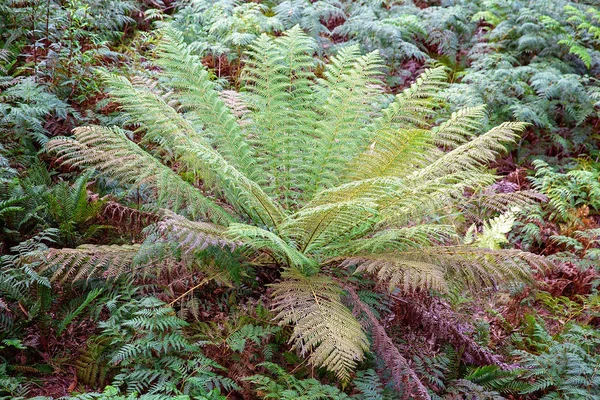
column 286, row 386
column 89, row 261
column 147, row 346
column 324, row 327
column 23, row 106
column 237, row 340
column 338, row 173
column 567, row 367
column 369, row 385
column 91, row 296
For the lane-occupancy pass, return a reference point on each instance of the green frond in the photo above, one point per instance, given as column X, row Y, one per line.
column 323, row 326
column 419, row 199
column 278, row 83
column 370, row 190
column 401, row 133
column 315, row 227
column 369, row 385
column 493, row 235
column 401, row 200
column 474, row 154
column 261, row 239
column 351, row 87
column 193, row 236
column 88, row 261
column 286, row 386
column 504, row 201
column 176, row 134
column 109, row 151
column 460, row 127
column 200, row 101
column 404, row 238
column 577, row 49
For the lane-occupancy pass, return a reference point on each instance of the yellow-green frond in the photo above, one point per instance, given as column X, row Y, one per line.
column 324, row 328
column 398, row 272
column 261, row 239
column 315, row 227
column 402, row 134
column 474, row 154
column 109, row 151
column 460, row 127
column 169, row 128
column 404, row 238
column 278, row 82
column 438, row 266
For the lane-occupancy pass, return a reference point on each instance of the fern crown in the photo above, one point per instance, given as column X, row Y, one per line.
column 317, row 171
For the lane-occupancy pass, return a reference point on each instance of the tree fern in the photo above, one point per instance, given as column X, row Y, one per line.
column 317, row 173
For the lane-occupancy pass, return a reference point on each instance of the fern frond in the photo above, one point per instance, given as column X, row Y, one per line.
column 278, row 80
column 351, row 87
column 261, row 239
column 460, row 127
column 317, row 226
column 403, row 238
column 110, row 151
column 436, row 266
column 402, row 273
column 176, row 134
column 193, row 236
column 403, row 375
column 474, row 154
column 200, row 101
column 408, row 116
column 89, row 261
column 323, row 326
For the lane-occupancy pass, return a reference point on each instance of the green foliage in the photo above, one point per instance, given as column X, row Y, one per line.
column 567, row 191
column 564, row 309
column 33, row 203
column 564, row 366
column 11, row 387
column 365, row 195
column 494, row 231
column 70, row 210
column 286, row 386
column 24, row 107
column 113, row 393
column 144, row 343
column 222, row 28
column 520, row 67
column 20, row 284
column 312, row 173
column 571, row 205
column 68, row 39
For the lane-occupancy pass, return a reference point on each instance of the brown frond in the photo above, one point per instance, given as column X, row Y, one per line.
column 89, row 261
column 439, row 322
column 405, row 378
column 131, row 218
